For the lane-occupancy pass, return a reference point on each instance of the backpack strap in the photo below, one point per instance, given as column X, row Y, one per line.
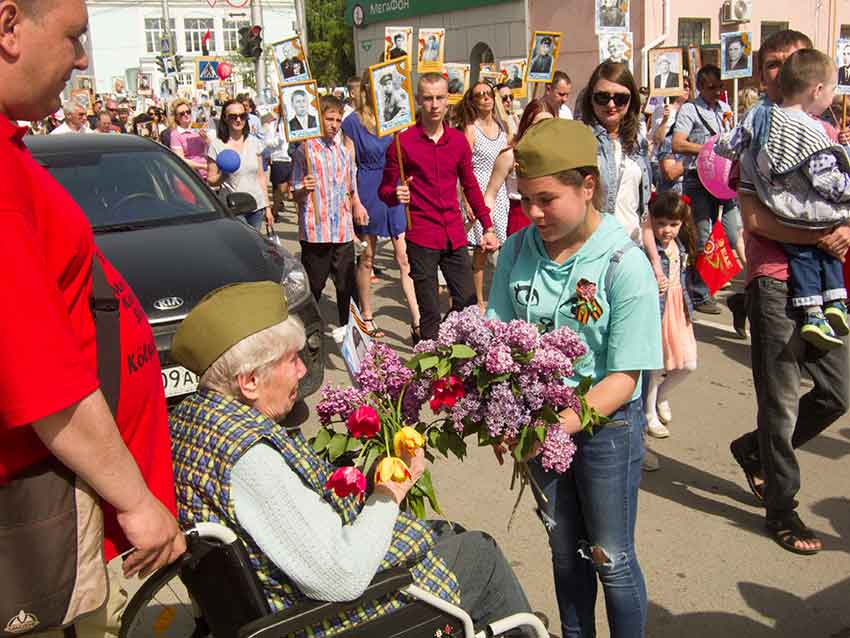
column 106, row 310
column 616, row 258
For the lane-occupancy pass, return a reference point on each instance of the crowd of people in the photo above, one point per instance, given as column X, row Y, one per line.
column 596, row 218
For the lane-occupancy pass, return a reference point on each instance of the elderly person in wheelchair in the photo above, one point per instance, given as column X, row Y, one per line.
column 237, row 465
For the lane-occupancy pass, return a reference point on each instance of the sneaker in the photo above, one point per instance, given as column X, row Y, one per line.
column 709, row 307
column 817, row 331
column 836, row 314
column 650, row 461
column 664, row 412
column 657, row 429
column 739, row 314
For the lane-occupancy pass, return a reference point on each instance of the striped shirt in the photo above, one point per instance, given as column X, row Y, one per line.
column 333, row 167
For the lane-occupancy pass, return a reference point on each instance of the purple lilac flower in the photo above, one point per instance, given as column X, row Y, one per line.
column 558, row 450
column 522, row 336
column 561, row 396
column 383, row 372
column 468, row 405
column 565, row 341
column 414, row 396
column 532, row 390
column 505, row 415
column 500, row 361
column 479, row 338
column 459, row 325
column 426, row 345
column 549, row 362
column 339, row 401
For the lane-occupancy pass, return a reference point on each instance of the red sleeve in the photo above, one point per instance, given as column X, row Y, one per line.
column 389, row 182
column 42, row 368
column 471, row 188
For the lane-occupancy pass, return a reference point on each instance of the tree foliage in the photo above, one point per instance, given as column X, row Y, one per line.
column 330, row 42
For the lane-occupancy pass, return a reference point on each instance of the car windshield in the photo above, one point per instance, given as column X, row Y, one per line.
column 131, row 189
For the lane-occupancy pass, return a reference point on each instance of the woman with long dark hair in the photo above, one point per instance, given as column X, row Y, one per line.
column 249, row 177
column 487, row 136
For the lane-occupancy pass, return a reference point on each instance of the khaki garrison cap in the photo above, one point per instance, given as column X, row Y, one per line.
column 554, row 145
column 223, row 318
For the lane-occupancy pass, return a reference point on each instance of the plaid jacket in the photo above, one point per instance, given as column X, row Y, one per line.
column 210, row 432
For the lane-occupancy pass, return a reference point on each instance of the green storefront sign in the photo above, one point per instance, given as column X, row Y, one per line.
column 363, row 12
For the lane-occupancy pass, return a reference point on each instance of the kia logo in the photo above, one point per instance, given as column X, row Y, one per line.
column 168, row 303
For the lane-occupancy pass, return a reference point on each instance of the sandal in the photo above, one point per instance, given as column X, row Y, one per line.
column 415, row 334
column 789, row 530
column 751, row 468
column 375, row 332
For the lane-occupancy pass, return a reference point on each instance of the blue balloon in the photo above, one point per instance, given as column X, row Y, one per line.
column 228, row 161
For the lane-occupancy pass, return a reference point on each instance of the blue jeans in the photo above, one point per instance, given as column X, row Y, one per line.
column 255, row 219
column 815, row 277
column 590, row 515
column 704, row 207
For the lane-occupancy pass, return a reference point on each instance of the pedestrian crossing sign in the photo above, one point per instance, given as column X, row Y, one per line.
column 206, row 69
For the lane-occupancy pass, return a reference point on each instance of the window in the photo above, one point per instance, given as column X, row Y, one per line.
column 195, row 29
column 186, row 79
column 696, row 31
column 769, row 28
column 231, row 33
column 154, row 28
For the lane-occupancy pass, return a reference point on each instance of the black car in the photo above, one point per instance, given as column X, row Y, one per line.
column 173, row 239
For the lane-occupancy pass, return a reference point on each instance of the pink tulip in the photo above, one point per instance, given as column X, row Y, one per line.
column 346, row 481
column 364, row 422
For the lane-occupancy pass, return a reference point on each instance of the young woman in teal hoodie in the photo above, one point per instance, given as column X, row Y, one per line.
column 576, row 267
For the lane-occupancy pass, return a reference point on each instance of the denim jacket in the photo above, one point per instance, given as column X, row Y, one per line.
column 608, row 169
column 683, row 279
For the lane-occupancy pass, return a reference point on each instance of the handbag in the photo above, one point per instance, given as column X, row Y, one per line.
column 51, row 523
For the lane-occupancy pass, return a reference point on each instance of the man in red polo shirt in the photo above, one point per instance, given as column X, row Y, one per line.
column 51, row 403
column 434, row 158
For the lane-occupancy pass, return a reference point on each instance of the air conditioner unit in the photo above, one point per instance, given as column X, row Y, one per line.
column 736, row 11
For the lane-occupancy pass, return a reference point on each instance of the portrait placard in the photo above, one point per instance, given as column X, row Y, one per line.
column 301, row 114
column 736, row 55
column 83, row 97
column 392, row 96
column 290, row 61
column 612, row 16
column 512, row 73
column 144, row 84
column 490, row 77
column 665, row 69
column 542, row 56
column 84, row 82
column 709, row 54
column 616, row 47
column 842, row 62
column 398, row 42
column 694, row 62
column 458, row 77
column 119, row 86
column 432, row 50
column 486, row 66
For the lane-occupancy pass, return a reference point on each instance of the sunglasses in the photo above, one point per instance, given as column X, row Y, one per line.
column 233, row 117
column 182, row 113
column 507, row 98
column 482, row 94
column 602, row 98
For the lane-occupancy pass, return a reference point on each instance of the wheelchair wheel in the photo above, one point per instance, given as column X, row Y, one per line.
column 161, row 608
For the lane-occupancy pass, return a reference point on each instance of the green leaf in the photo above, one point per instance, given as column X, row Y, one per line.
column 414, row 361
column 548, row 414
column 540, row 431
column 427, row 487
column 337, row 445
column 456, row 445
column 416, row 504
column 321, row 440
column 371, row 457
column 428, row 362
column 353, row 445
column 441, row 442
column 444, row 367
column 524, row 358
column 462, row 351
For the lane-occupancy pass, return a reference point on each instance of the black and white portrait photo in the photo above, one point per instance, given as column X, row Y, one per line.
column 290, row 60
column 392, row 96
column 616, row 47
column 542, row 56
column 612, row 15
column 512, row 73
column 665, row 68
column 398, row 42
column 736, row 55
column 842, row 62
column 458, row 79
column 431, row 50
column 300, row 103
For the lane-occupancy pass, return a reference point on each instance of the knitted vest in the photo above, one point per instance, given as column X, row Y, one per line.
column 210, row 432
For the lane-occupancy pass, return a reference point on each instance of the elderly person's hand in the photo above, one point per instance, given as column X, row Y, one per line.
column 397, row 490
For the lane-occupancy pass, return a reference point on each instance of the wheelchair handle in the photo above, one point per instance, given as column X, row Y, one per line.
column 214, row 531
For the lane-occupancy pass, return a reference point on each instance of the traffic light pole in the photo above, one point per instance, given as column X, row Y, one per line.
column 259, row 63
column 166, row 21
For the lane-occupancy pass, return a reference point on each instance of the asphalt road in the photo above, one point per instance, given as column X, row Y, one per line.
column 710, row 569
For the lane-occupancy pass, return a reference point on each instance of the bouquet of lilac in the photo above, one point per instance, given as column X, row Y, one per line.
column 500, row 382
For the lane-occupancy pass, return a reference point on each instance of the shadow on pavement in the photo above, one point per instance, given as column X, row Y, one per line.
column 661, row 623
column 818, row 615
column 736, row 349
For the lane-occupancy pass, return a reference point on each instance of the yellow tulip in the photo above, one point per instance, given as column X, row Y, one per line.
column 407, row 440
column 392, row 469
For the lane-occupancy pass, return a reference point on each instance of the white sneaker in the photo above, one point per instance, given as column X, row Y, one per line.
column 657, row 429
column 664, row 411
column 338, row 334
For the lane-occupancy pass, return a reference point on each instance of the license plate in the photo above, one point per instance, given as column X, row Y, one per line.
column 178, row 380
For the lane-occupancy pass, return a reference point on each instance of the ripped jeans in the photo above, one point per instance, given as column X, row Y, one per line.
column 590, row 518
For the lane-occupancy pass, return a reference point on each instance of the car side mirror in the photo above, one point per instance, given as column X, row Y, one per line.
column 240, row 203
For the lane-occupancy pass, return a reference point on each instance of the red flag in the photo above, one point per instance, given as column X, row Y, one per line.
column 716, row 264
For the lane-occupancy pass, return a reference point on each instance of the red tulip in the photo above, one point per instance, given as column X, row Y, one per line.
column 446, row 392
column 225, row 70
column 364, row 422
column 346, row 481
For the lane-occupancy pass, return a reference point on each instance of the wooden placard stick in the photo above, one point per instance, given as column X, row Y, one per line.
column 844, row 111
column 310, row 172
column 401, row 173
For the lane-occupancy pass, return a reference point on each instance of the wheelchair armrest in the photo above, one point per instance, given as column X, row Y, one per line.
column 311, row 613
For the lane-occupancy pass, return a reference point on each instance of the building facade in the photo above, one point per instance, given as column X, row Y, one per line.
column 125, row 35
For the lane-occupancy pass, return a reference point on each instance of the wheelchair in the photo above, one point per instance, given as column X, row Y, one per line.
column 212, row 591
